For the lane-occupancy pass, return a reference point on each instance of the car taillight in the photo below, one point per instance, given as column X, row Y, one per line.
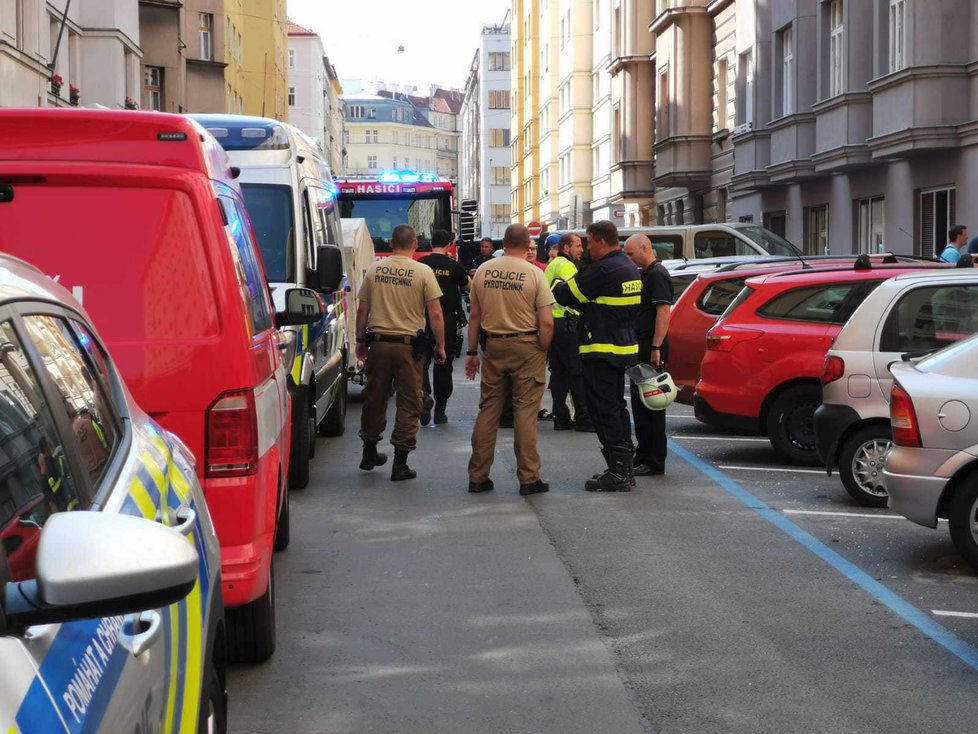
column 903, row 418
column 232, row 436
column 723, row 339
column 833, row 368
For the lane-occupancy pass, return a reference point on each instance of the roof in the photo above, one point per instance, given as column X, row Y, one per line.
column 19, row 280
column 847, row 272
column 448, row 101
column 294, row 29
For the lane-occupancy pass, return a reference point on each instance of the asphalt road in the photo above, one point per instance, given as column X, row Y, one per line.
column 735, row 594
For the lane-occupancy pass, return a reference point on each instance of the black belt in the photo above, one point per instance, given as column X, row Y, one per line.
column 393, row 338
column 512, row 334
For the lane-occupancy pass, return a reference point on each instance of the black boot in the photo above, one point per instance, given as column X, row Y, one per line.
column 425, row 418
column 371, row 457
column 617, row 478
column 399, row 469
column 604, row 453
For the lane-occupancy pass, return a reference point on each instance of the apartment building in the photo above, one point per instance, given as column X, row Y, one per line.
column 531, row 37
column 441, row 109
column 485, row 158
column 94, row 50
column 259, row 75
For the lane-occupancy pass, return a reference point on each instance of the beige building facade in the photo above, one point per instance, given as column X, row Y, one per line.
column 260, row 78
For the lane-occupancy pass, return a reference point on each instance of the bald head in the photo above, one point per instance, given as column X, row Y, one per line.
column 638, row 247
column 516, row 238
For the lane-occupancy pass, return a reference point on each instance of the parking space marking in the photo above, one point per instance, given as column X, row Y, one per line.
column 719, row 438
column 770, row 468
column 875, row 516
column 898, row 605
column 944, row 613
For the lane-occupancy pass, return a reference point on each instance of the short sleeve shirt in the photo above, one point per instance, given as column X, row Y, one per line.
column 656, row 290
column 452, row 279
column 397, row 289
column 509, row 290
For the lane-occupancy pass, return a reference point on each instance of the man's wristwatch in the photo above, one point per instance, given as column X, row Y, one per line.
column 657, row 349
column 472, row 354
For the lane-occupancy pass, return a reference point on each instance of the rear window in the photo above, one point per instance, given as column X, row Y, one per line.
column 926, row 319
column 821, row 304
column 149, row 237
column 717, row 297
column 745, row 293
column 255, row 290
column 680, row 283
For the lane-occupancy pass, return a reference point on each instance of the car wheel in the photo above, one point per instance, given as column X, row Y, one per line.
column 283, row 528
column 334, row 422
column 791, row 424
column 251, row 628
column 963, row 520
column 299, row 450
column 213, row 711
column 861, row 465
column 312, row 432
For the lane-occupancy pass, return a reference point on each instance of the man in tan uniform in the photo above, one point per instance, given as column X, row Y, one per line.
column 511, row 302
column 390, row 318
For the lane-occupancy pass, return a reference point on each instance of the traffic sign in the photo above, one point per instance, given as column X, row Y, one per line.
column 536, row 229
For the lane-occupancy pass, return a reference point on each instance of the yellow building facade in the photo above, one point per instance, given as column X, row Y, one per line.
column 256, row 43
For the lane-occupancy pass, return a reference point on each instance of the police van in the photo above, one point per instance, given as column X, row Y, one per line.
column 291, row 200
column 111, row 612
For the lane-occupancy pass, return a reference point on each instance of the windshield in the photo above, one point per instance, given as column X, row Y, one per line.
column 383, row 214
column 270, row 211
column 772, row 243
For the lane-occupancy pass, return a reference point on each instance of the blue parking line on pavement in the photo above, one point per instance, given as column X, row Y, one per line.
column 937, row 632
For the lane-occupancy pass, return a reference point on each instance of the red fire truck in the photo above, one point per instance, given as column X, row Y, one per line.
column 422, row 200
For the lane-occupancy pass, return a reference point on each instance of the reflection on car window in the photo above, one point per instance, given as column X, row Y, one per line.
column 35, row 476
column 83, row 401
column 819, row 304
column 721, row 244
column 718, row 297
column 243, row 251
column 930, row 318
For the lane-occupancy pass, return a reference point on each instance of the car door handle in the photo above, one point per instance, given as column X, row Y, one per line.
column 140, row 631
column 187, row 519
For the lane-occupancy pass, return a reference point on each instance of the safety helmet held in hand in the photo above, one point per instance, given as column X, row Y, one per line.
column 656, row 389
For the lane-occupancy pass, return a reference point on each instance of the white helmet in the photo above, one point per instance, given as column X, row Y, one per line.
column 656, row 389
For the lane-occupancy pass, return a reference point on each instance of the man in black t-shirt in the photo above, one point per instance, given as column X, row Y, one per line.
column 486, row 248
column 453, row 280
column 653, row 347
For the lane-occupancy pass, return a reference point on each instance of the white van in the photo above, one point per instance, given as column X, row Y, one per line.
column 291, row 200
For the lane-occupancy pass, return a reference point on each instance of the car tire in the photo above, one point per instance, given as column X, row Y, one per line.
column 334, row 422
column 283, row 528
column 861, row 465
column 962, row 520
column 791, row 424
column 213, row 704
column 299, row 449
column 251, row 628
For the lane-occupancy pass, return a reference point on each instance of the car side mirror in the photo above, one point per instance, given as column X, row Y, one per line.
column 329, row 269
column 302, row 306
column 100, row 564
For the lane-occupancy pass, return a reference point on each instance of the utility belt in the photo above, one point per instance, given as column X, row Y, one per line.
column 422, row 344
column 511, row 334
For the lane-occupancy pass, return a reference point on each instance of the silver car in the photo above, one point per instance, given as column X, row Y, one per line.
column 912, row 314
column 931, row 471
column 111, row 616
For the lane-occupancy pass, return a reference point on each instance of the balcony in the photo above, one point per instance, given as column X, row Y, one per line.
column 752, row 155
column 843, row 124
column 792, row 147
column 632, row 180
column 683, row 161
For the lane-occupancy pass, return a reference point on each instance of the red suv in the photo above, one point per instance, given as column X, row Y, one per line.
column 763, row 361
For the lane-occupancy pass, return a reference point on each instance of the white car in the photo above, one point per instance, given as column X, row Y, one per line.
column 910, row 315
column 111, row 616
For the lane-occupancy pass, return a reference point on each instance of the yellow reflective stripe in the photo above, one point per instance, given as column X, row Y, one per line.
column 171, row 698
column 619, row 300
column 180, row 485
column 572, row 284
column 153, row 467
column 140, row 496
column 302, row 337
column 608, row 349
column 193, row 676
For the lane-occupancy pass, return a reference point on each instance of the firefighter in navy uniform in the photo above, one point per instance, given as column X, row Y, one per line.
column 608, row 294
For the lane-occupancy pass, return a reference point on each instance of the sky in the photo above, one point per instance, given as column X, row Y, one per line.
column 361, row 37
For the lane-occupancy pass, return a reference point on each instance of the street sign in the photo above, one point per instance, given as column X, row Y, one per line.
column 536, row 229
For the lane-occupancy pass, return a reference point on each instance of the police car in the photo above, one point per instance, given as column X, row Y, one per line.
column 111, row 617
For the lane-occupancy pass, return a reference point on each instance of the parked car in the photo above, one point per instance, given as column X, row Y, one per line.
column 291, row 201
column 932, row 470
column 912, row 314
column 763, row 362
column 110, row 574
column 151, row 234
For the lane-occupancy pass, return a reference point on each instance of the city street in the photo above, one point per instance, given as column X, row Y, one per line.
column 736, row 594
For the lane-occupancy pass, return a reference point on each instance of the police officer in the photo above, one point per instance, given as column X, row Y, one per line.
column 486, row 248
column 511, row 304
column 653, row 347
column 390, row 319
column 565, row 362
column 453, row 280
column 608, row 293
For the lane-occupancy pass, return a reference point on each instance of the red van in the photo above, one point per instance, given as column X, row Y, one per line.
column 137, row 213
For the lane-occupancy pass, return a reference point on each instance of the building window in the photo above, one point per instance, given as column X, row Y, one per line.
column 664, row 129
column 787, row 72
column 937, row 215
column 498, row 137
column 372, row 162
column 356, row 112
column 722, row 82
column 817, row 234
column 617, row 136
column 777, row 222
column 500, row 212
column 870, row 225
column 498, row 99
column 394, row 165
column 291, row 58
column 836, row 48
column 346, row 137
column 291, row 96
column 499, row 175
column 597, row 14
column 371, row 113
column 499, row 61
column 616, row 31
column 596, row 162
column 153, row 87
column 898, row 34
column 745, row 114
column 205, row 29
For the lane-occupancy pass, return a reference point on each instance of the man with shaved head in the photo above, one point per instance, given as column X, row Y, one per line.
column 653, row 347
